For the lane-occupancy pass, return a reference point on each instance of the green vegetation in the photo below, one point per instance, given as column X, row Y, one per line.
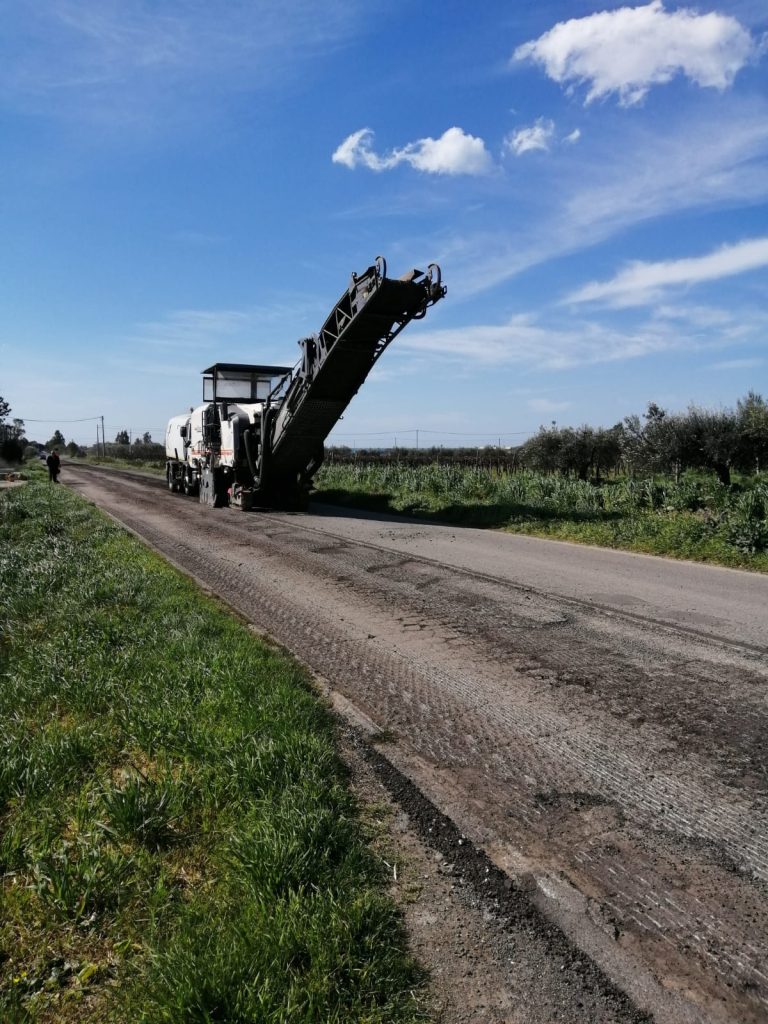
column 698, row 517
column 152, row 466
column 177, row 842
column 685, row 485
column 130, row 456
column 11, row 435
column 720, row 441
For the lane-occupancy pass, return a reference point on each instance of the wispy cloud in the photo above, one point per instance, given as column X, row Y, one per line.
column 197, row 330
column 601, row 189
column 550, row 341
column 541, row 135
column 455, row 152
column 655, row 175
column 192, row 328
column 125, row 59
column 629, row 49
column 641, row 283
column 522, row 341
column 526, row 140
column 696, row 315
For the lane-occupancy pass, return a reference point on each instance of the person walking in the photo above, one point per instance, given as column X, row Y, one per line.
column 53, row 462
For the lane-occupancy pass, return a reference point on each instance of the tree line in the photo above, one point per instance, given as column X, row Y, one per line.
column 16, row 446
column 720, row 441
column 717, row 440
column 141, row 449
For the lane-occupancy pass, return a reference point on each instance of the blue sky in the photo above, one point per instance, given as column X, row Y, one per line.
column 190, row 181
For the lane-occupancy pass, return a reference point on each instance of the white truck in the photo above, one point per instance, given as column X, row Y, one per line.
column 257, row 439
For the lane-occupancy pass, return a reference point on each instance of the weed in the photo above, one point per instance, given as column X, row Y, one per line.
column 146, row 811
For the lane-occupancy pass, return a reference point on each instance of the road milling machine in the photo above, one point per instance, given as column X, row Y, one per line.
column 257, row 439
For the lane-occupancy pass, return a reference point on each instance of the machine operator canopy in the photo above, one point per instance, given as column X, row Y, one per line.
column 240, row 382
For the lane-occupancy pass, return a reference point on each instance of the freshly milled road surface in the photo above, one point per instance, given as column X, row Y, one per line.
column 595, row 720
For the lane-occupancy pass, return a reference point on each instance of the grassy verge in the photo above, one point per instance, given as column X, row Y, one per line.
column 177, row 841
column 696, row 519
column 137, row 465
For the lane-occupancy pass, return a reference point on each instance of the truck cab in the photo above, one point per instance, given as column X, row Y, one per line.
column 206, row 448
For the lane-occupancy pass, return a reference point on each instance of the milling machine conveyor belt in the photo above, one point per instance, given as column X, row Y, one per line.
column 368, row 316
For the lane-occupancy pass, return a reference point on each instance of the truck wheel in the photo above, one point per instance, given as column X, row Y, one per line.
column 190, row 485
column 173, row 484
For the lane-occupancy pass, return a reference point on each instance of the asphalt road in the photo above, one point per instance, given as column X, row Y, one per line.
column 594, row 720
column 726, row 604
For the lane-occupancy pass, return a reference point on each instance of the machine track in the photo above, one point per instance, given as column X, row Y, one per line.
column 613, row 766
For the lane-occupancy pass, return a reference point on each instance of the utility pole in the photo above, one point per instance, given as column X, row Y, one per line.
column 103, row 438
column 97, row 439
column 417, row 440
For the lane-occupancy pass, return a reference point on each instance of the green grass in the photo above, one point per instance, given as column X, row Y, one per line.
column 149, row 466
column 177, row 839
column 697, row 519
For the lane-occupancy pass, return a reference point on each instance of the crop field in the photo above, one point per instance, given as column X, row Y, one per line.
column 697, row 518
column 177, row 839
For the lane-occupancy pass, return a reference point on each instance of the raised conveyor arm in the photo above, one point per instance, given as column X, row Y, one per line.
column 336, row 361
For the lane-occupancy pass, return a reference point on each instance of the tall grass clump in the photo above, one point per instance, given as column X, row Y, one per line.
column 697, row 517
column 177, row 841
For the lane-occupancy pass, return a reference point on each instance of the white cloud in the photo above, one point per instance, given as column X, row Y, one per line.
column 697, row 316
column 629, row 49
column 654, row 174
column 355, row 149
column 574, row 136
column 455, row 152
column 526, row 140
column 523, row 342
column 641, row 283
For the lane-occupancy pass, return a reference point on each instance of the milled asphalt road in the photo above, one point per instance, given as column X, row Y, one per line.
column 726, row 604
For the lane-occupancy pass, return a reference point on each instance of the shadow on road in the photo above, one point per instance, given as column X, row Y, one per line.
column 478, row 515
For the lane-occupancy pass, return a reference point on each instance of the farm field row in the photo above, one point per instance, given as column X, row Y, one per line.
column 178, row 839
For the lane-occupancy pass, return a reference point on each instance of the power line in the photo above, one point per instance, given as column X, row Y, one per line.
column 135, row 430
column 439, row 433
column 485, row 433
column 357, row 433
column 89, row 419
column 55, row 419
